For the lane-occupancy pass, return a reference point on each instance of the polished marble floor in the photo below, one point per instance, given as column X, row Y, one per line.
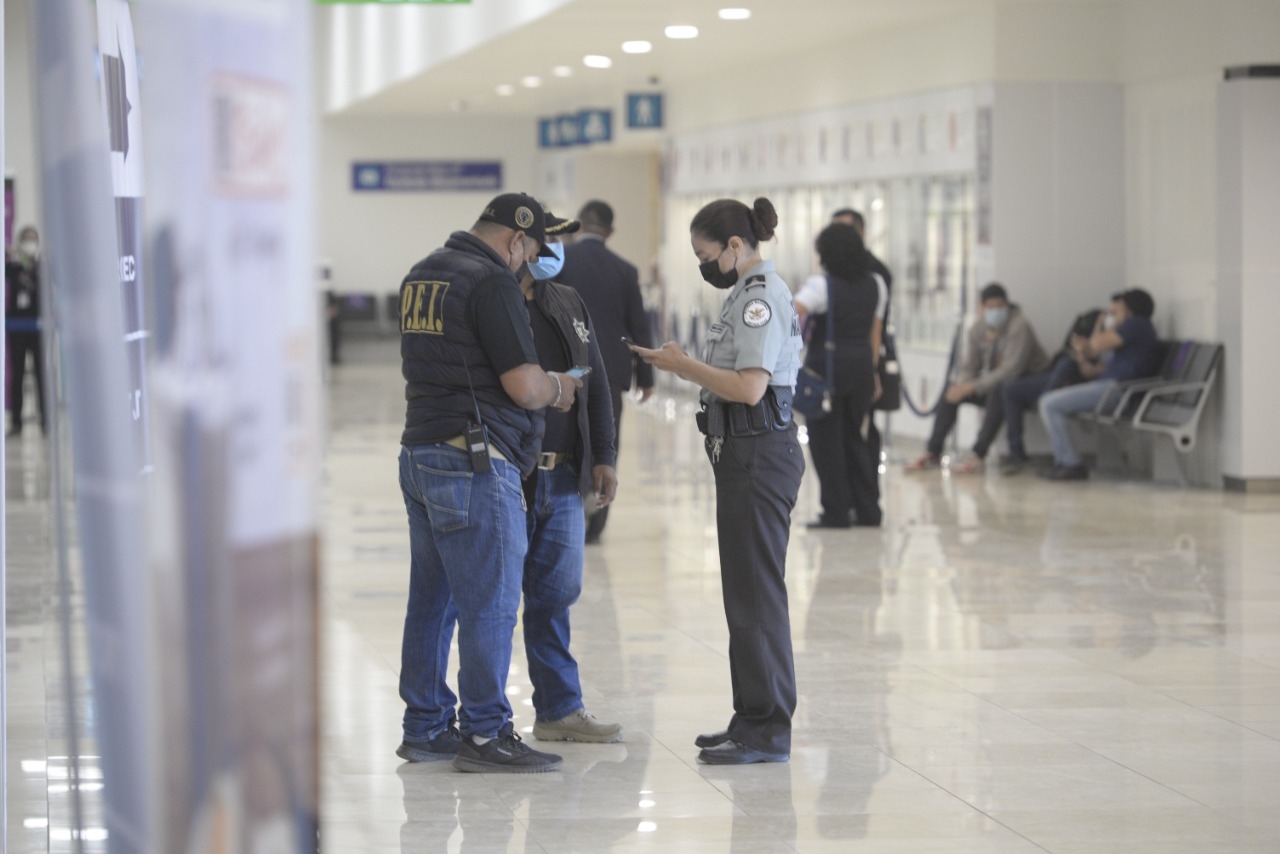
column 1008, row 666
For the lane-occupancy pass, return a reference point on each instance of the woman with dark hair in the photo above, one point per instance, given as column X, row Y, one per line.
column 747, row 377
column 854, row 298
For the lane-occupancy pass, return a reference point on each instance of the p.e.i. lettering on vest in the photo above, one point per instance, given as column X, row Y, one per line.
column 421, row 307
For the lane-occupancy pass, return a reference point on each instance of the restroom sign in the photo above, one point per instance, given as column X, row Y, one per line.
column 644, row 110
column 595, row 126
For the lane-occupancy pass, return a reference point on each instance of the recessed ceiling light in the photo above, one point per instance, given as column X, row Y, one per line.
column 562, row 71
column 734, row 14
column 531, row 82
column 593, row 60
column 636, row 47
column 681, row 31
column 505, row 89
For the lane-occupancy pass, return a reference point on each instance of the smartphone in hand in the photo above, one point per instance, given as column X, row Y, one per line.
column 578, row 372
column 627, row 341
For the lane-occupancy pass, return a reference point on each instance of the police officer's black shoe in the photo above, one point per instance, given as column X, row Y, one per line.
column 712, row 739
column 737, row 753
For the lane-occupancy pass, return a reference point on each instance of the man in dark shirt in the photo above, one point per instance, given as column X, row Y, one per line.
column 610, row 287
column 474, row 392
column 1124, row 346
column 577, row 459
column 22, row 326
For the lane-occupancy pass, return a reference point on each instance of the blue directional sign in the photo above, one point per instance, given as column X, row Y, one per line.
column 548, row 133
column 595, row 126
column 644, row 110
column 569, row 129
column 427, row 176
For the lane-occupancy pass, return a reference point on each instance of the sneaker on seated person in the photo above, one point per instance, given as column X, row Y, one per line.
column 925, row 462
column 970, row 464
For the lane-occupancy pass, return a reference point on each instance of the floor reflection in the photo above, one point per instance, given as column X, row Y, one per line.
column 1009, row 666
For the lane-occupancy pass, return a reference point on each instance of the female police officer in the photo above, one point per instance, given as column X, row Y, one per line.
column 747, row 377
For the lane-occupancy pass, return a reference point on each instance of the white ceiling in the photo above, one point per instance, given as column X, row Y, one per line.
column 776, row 29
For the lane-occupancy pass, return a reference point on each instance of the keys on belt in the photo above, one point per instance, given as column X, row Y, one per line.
column 547, row 461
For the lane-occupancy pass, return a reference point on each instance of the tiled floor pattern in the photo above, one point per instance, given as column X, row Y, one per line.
column 1009, row 666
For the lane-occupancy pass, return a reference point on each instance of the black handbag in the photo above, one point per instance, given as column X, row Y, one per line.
column 813, row 391
column 890, row 399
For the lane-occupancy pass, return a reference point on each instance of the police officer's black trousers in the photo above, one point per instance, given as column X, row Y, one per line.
column 757, row 479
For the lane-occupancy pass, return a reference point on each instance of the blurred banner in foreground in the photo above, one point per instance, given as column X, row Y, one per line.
column 198, row 581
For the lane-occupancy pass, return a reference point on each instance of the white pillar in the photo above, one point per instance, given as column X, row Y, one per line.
column 1249, row 275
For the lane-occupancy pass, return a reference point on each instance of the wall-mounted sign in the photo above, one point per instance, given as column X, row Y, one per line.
column 427, row 176
column 595, row 126
column 585, row 127
column 644, row 110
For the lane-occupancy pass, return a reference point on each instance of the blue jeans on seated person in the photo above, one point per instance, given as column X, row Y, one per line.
column 1023, row 393
column 552, row 583
column 467, row 545
column 1056, row 407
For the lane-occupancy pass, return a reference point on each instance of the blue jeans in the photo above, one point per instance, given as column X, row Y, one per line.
column 552, row 582
column 467, row 542
column 1057, row 406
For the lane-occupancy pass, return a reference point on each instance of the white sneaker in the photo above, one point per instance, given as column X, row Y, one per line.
column 578, row 726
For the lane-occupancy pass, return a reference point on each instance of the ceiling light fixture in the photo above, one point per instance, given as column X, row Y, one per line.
column 562, row 71
column 505, row 89
column 593, row 60
column 636, row 47
column 681, row 31
column 734, row 14
column 531, row 82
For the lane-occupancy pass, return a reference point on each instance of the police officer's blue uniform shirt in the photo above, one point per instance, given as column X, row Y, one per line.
column 758, row 328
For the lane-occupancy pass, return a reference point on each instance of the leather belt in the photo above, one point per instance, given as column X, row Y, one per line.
column 460, row 442
column 548, row 461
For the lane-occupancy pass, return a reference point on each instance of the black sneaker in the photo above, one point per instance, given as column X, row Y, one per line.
column 506, row 754
column 443, row 746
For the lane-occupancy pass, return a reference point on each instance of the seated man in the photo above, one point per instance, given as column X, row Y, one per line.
column 1068, row 368
column 1127, row 347
column 1002, row 346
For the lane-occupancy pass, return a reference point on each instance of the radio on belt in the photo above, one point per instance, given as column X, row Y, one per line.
column 478, row 446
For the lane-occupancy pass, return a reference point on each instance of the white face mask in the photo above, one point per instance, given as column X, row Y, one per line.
column 1109, row 322
column 30, row 248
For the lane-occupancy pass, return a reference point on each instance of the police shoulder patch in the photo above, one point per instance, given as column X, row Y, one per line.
column 756, row 281
column 757, row 313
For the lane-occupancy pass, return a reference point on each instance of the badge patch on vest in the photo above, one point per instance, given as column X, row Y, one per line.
column 579, row 327
column 422, row 307
column 757, row 313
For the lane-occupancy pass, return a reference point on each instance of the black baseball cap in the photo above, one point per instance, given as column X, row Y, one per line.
column 557, row 227
column 519, row 212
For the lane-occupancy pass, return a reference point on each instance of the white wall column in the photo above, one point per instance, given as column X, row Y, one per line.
column 1249, row 275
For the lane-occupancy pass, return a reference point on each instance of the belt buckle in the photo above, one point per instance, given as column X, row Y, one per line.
column 547, row 461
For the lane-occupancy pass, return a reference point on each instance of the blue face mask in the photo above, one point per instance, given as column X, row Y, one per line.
column 995, row 317
column 546, row 269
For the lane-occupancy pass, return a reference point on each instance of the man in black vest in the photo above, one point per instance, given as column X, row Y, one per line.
column 611, row 289
column 472, row 431
column 577, row 459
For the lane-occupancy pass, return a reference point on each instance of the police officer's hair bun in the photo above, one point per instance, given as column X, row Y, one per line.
column 764, row 218
column 725, row 218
